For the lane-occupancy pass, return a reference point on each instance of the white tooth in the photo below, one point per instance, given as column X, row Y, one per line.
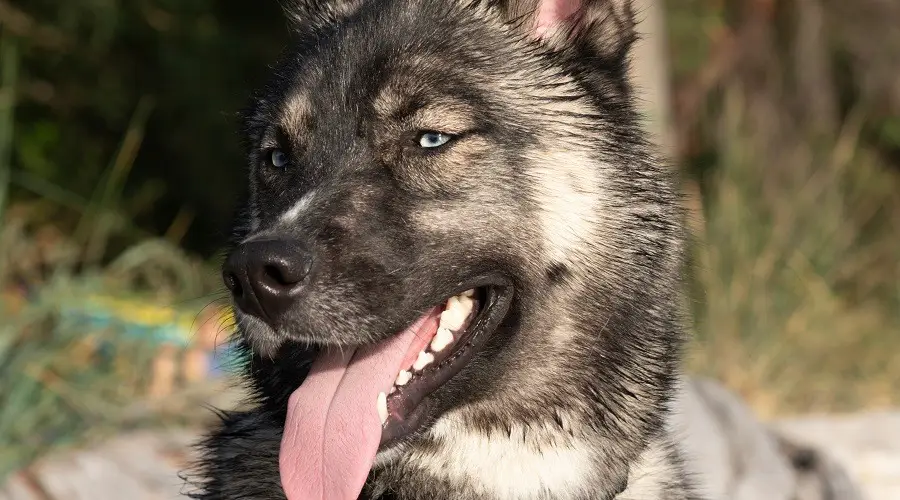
column 382, row 407
column 469, row 293
column 393, row 389
column 423, row 360
column 461, row 303
column 451, row 303
column 443, row 338
column 403, row 377
column 457, row 310
column 466, row 304
column 452, row 319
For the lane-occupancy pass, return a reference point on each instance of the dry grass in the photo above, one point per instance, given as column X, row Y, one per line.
column 796, row 272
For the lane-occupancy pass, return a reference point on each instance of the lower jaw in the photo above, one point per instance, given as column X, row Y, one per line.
column 409, row 411
column 396, row 430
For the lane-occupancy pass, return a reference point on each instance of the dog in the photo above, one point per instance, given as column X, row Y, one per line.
column 458, row 270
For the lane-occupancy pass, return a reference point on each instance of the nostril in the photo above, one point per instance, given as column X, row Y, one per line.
column 233, row 284
column 278, row 275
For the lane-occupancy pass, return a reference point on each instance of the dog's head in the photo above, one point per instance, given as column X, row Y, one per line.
column 466, row 183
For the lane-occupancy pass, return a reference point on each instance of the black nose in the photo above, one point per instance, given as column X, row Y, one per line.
column 264, row 276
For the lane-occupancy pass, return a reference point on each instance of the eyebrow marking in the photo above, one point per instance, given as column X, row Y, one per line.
column 450, row 117
column 295, row 119
column 294, row 212
column 423, row 108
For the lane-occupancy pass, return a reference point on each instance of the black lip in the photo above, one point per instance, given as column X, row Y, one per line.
column 408, row 408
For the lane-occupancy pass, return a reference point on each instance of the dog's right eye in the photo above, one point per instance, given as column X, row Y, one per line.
column 277, row 158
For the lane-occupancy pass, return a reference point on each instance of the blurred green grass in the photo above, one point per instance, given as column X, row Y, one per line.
column 796, row 286
column 61, row 383
column 785, row 116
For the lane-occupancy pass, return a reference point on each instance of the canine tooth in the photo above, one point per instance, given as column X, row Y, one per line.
column 423, row 360
column 443, row 338
column 469, row 293
column 382, row 407
column 403, row 377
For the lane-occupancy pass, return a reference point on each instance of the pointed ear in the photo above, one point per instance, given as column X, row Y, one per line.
column 313, row 15
column 604, row 27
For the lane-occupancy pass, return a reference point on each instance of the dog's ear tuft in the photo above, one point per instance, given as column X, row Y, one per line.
column 605, row 28
column 313, row 15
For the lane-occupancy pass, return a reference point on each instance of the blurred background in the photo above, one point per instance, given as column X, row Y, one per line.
column 120, row 165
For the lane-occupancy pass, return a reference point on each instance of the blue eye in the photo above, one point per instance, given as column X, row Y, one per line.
column 429, row 140
column 278, row 158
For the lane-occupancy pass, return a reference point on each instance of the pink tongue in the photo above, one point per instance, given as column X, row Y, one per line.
column 333, row 429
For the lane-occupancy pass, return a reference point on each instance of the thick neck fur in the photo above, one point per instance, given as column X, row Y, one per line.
column 511, row 467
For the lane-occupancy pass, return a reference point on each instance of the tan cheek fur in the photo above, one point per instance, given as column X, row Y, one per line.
column 566, row 194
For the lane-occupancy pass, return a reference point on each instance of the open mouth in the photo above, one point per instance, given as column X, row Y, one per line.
column 356, row 401
column 447, row 340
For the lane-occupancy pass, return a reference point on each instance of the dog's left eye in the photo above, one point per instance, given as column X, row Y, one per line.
column 278, row 158
column 430, row 140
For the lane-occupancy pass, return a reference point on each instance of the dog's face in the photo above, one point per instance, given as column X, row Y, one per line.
column 410, row 152
column 410, row 134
